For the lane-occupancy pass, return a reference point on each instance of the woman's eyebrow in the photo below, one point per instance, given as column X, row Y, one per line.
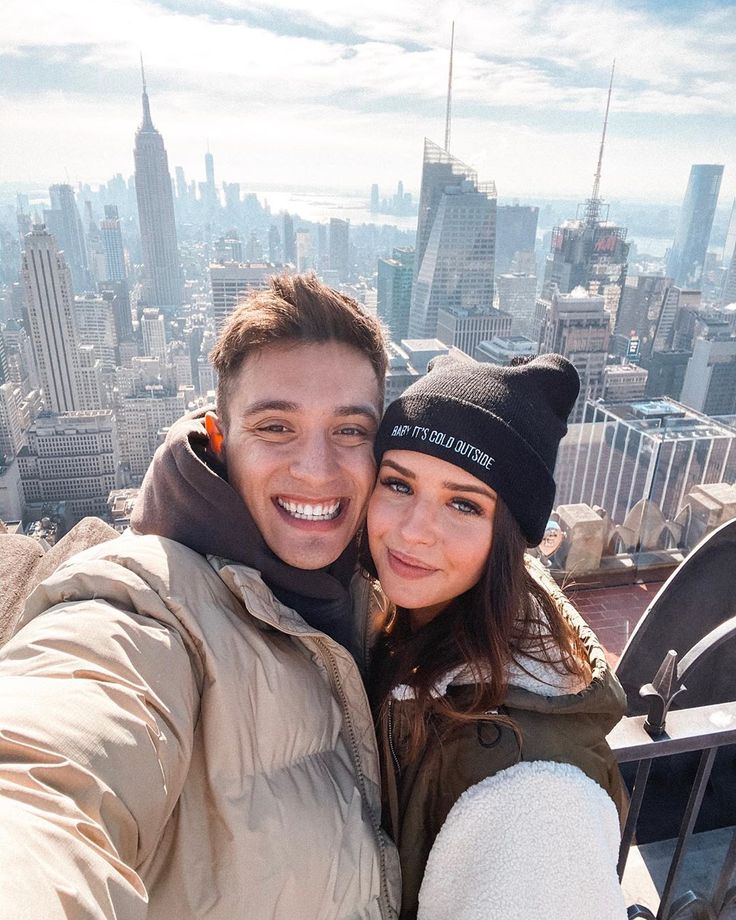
column 467, row 487
column 451, row 486
column 399, row 469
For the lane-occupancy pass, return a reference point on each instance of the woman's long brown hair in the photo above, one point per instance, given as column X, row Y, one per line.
column 506, row 615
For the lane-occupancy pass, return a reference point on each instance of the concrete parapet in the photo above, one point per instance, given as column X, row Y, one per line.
column 584, row 542
column 711, row 505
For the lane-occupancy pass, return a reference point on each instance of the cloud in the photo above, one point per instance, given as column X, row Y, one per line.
column 309, row 71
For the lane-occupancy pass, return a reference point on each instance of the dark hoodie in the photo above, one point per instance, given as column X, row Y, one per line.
column 185, row 496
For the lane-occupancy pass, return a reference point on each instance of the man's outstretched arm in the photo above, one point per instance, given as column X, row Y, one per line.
column 97, row 713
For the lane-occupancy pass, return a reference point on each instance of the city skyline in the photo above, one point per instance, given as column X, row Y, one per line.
column 362, row 91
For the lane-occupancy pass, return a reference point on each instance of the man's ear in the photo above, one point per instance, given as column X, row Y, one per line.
column 214, row 433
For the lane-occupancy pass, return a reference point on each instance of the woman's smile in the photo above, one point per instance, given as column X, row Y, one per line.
column 430, row 526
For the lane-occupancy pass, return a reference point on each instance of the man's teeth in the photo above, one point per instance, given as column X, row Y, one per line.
column 304, row 512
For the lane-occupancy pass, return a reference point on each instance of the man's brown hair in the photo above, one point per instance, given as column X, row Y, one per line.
column 294, row 309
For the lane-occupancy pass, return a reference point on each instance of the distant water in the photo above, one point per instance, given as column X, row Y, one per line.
column 321, row 206
column 650, row 245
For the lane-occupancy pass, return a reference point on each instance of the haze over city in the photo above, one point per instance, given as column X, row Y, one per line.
column 321, row 94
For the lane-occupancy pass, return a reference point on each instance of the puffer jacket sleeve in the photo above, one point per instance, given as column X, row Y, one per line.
column 98, row 703
column 539, row 839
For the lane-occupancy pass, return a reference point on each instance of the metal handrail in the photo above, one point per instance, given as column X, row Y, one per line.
column 705, row 729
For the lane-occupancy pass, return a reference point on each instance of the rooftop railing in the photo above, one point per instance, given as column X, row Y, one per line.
column 680, row 759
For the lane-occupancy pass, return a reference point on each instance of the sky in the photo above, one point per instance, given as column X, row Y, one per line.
column 333, row 94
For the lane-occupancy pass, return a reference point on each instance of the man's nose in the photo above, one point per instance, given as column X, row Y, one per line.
column 315, row 459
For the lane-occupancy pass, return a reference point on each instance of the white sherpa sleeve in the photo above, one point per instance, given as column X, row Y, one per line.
column 539, row 839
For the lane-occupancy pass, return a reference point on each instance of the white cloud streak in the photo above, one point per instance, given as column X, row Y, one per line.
column 370, row 84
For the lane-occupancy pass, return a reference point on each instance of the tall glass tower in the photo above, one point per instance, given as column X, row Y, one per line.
column 456, row 241
column 161, row 267
column 687, row 256
column 63, row 221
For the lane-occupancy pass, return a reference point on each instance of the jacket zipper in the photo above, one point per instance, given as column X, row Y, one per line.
column 387, row 912
column 394, row 756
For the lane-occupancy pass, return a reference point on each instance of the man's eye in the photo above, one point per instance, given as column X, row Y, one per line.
column 465, row 507
column 273, row 428
column 353, row 431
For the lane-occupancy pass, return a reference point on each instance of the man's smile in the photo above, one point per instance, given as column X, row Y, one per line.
column 326, row 510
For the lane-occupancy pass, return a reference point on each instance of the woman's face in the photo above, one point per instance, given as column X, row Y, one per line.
column 430, row 526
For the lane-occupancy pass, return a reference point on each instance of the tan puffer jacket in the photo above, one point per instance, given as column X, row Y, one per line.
column 175, row 744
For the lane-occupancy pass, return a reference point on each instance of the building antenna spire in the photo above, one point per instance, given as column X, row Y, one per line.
column 448, row 112
column 147, row 124
column 593, row 209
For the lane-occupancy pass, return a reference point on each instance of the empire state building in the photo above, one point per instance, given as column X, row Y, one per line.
column 162, row 285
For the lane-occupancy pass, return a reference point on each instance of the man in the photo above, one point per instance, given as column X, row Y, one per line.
column 183, row 733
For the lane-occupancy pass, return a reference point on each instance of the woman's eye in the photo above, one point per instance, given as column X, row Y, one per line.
column 396, row 485
column 464, row 506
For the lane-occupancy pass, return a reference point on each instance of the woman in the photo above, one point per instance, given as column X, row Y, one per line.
column 487, row 686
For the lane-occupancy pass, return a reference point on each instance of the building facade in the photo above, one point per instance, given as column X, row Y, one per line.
column 64, row 222
column 232, row 281
column 577, row 327
column 517, row 295
column 624, row 383
column 516, row 234
column 657, row 450
column 466, row 329
column 143, row 418
column 710, row 380
column 687, row 255
column 339, row 256
column 71, row 458
column 456, row 239
column 50, row 303
column 503, row 349
column 161, row 267
column 394, row 287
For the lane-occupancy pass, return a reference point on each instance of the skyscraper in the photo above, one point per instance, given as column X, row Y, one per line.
column 375, row 199
column 161, row 268
column 687, row 256
column 233, row 281
column 395, row 276
column 589, row 251
column 710, row 379
column 466, row 329
column 456, row 234
column 112, row 241
column 728, row 295
column 50, row 302
column 639, row 310
column 517, row 294
column 516, row 233
column 73, row 459
column 210, row 196
column 340, row 247
column 289, row 244
column 576, row 326
column 64, row 223
column 182, row 191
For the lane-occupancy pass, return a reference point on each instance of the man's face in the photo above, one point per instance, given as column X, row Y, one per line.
column 299, row 446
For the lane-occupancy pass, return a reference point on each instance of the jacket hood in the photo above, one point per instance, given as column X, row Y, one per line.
column 185, row 496
column 537, row 686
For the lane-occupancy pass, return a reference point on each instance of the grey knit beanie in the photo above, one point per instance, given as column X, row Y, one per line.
column 501, row 424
